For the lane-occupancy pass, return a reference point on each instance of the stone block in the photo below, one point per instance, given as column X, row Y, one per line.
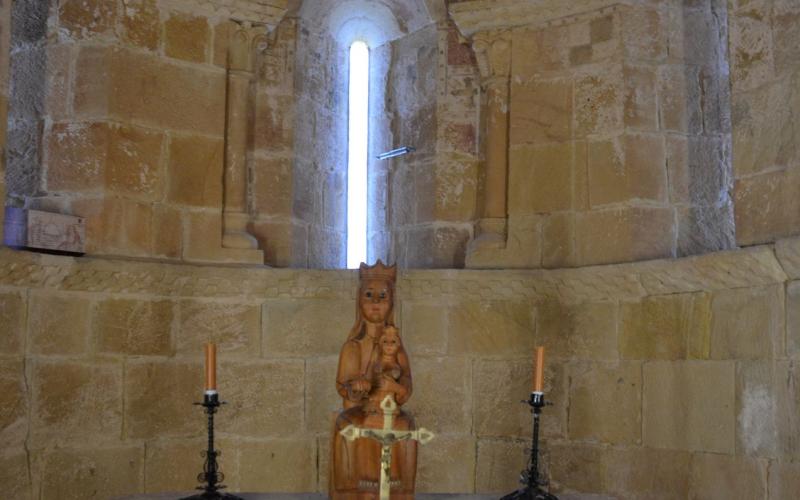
column 133, row 162
column 76, row 156
column 170, row 466
column 284, row 243
column 793, row 320
column 57, row 82
column 90, row 93
column 273, row 126
column 307, row 327
column 167, row 231
column 751, row 49
column 58, row 324
column 784, row 479
column 640, row 101
column 456, row 180
column 699, row 169
column 326, row 249
column 576, row 467
column 92, row 473
column 272, row 186
column 498, row 382
column 644, row 34
column 689, row 405
column 235, row 328
column 680, row 99
column 322, row 401
column 222, row 33
column 438, row 472
column 785, row 35
column 323, row 463
column 599, row 98
column 767, row 399
column 87, row 18
column 437, row 247
column 140, row 24
column 134, row 327
column 56, row 386
column 195, row 171
column 491, row 328
column 186, row 37
column 499, row 463
column 767, row 206
column 253, row 388
column 116, row 225
column 558, row 241
column 672, row 327
column 578, row 331
column 278, row 465
column 632, row 167
column 424, row 328
column 13, row 315
column 442, row 394
column 541, row 178
column 704, row 229
column 148, row 416
column 721, row 476
column 748, row 323
column 14, row 401
column 541, row 112
column 535, row 51
column 15, row 474
column 591, row 417
column 622, row 235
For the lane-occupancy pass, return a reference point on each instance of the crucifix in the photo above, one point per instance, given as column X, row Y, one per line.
column 387, row 436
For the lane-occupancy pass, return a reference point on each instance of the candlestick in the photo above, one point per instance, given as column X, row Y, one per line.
column 538, row 373
column 211, row 367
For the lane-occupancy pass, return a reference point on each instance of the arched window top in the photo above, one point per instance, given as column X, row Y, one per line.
column 372, row 21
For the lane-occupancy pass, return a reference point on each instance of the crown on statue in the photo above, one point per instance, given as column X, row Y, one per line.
column 377, row 272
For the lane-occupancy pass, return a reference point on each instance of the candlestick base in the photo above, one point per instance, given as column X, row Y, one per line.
column 530, row 479
column 211, row 475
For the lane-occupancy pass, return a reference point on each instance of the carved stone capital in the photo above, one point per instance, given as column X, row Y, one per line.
column 245, row 40
column 493, row 53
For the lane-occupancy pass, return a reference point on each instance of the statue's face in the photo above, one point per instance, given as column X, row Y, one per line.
column 375, row 301
column 390, row 342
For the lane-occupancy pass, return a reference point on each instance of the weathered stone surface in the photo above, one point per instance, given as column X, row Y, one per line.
column 133, row 162
column 186, row 37
column 680, row 99
column 499, row 462
column 167, row 231
column 272, row 186
column 578, row 331
column 766, row 409
column 620, row 235
column 14, row 401
column 76, row 155
column 784, row 479
column 284, row 243
column 195, row 170
column 491, row 328
column 172, row 464
column 631, row 167
column 447, row 467
column 14, row 474
column 541, row 112
column 558, row 241
column 643, row 33
column 640, row 102
column 689, row 405
column 58, row 324
column 277, row 465
column 498, row 383
column 134, row 327
column 116, row 225
column 299, row 328
column 793, row 320
column 235, row 328
column 101, row 473
column 442, row 394
column 721, row 476
column 599, row 103
column 767, row 206
column 748, row 323
column 751, row 47
column 592, row 386
column 540, row 178
column 322, row 402
column 148, row 417
column 55, row 416
column 87, row 18
column 424, row 328
column 666, row 327
column 265, row 398
column 140, row 24
column 13, row 315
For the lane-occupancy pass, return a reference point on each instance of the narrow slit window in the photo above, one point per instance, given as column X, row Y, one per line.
column 357, row 155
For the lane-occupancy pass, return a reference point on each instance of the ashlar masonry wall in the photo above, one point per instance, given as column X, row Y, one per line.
column 670, row 379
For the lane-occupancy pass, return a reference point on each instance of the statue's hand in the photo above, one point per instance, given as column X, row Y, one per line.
column 360, row 385
column 387, row 383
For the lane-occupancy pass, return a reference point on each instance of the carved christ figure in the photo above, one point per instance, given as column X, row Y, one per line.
column 372, row 364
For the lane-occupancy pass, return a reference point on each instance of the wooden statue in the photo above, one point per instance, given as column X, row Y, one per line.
column 372, row 366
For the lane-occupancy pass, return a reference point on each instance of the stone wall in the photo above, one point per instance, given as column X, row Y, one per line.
column 670, row 379
column 765, row 78
column 5, row 49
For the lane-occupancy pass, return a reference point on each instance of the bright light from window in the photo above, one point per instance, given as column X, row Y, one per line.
column 357, row 156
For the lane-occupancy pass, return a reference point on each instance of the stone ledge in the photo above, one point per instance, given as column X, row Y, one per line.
column 268, row 12
column 754, row 266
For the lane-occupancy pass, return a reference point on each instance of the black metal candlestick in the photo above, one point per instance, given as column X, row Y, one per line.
column 531, row 481
column 211, row 475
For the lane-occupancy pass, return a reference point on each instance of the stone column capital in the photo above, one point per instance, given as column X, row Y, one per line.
column 493, row 53
column 245, row 39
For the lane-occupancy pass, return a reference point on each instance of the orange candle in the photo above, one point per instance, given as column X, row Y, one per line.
column 538, row 372
column 211, row 367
